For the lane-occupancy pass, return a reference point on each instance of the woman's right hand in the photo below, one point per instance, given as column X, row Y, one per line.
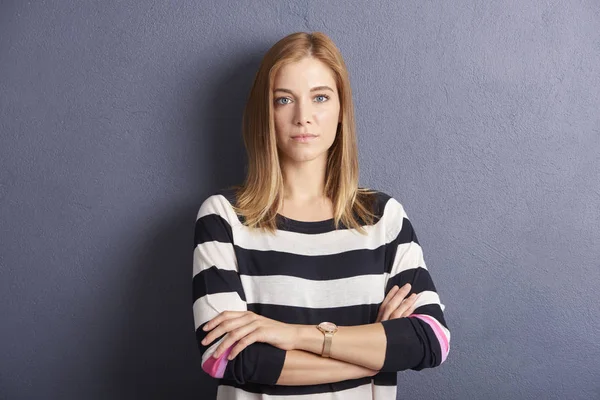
column 395, row 305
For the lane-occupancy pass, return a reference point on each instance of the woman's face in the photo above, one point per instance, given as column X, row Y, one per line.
column 305, row 101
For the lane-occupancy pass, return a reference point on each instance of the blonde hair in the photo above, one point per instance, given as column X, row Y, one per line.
column 260, row 197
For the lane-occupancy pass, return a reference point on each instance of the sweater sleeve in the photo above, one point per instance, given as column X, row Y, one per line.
column 421, row 340
column 216, row 288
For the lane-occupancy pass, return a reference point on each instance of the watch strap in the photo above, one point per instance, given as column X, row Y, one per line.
column 327, row 344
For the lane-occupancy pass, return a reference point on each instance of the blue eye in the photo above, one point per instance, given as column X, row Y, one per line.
column 324, row 96
column 281, row 98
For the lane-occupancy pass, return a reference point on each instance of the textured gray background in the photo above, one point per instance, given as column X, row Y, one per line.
column 117, row 119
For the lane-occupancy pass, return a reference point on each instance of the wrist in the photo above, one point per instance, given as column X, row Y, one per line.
column 310, row 339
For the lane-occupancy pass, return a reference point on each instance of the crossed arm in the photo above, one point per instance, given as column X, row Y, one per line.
column 356, row 351
column 306, row 367
column 417, row 342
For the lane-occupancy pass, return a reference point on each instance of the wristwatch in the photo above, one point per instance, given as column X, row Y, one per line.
column 328, row 329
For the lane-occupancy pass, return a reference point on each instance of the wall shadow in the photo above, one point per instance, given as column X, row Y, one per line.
column 156, row 356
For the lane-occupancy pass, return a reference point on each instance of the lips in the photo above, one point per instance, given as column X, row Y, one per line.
column 304, row 138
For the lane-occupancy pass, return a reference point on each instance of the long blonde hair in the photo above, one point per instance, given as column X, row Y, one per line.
column 260, row 197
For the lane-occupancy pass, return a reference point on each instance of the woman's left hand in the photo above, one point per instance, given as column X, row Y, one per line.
column 248, row 327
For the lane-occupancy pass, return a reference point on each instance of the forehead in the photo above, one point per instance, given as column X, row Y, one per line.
column 304, row 74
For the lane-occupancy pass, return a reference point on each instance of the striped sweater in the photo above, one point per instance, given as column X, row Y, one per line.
column 305, row 274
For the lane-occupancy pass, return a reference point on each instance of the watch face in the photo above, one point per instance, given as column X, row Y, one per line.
column 328, row 326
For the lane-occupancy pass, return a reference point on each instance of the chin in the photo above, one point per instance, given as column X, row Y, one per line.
column 304, row 156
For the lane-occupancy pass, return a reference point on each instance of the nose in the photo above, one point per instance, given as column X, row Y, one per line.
column 302, row 114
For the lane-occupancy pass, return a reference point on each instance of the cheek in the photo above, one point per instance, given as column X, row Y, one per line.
column 280, row 126
column 328, row 116
column 325, row 116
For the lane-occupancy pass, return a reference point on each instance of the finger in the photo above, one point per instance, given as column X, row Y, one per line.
column 225, row 315
column 407, row 288
column 242, row 344
column 407, row 305
column 387, row 299
column 217, row 332
column 393, row 291
column 396, row 301
column 385, row 304
column 402, row 313
column 232, row 337
column 226, row 326
column 390, row 295
column 413, row 306
column 405, row 308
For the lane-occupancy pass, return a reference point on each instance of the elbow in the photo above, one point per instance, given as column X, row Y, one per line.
column 414, row 344
column 431, row 359
column 257, row 363
column 435, row 343
column 215, row 367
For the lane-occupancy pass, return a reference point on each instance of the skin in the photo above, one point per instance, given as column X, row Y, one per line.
column 248, row 327
column 306, row 100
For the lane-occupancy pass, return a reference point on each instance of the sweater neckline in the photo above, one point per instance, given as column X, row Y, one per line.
column 294, row 225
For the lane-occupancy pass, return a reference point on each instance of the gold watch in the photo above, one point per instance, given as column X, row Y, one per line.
column 328, row 329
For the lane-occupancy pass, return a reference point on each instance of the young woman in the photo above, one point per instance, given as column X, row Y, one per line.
column 305, row 285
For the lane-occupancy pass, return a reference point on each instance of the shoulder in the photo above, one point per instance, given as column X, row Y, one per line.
column 393, row 215
column 219, row 202
column 387, row 206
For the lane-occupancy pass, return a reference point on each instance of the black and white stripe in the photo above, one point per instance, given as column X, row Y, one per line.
column 306, row 273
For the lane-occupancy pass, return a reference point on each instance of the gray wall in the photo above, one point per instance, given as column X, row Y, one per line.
column 118, row 119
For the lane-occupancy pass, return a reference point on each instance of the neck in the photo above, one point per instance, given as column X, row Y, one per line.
column 304, row 181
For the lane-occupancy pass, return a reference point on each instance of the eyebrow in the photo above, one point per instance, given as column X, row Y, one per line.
column 312, row 90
